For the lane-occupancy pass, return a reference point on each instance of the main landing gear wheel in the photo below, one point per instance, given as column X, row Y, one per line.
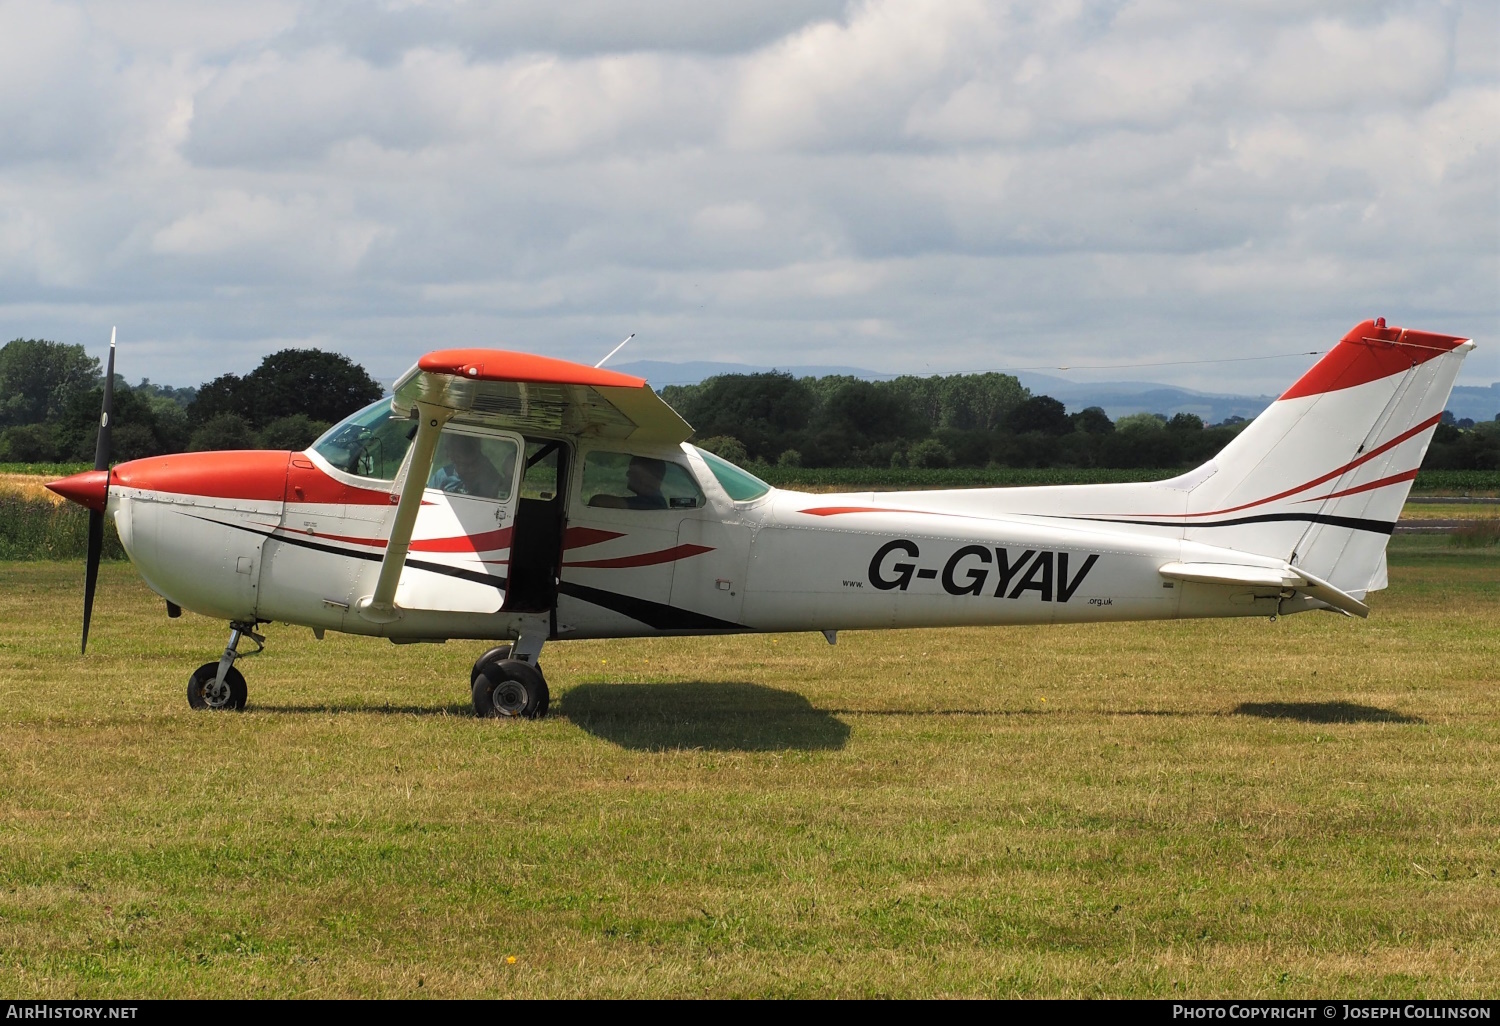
column 202, row 693
column 494, row 655
column 510, row 688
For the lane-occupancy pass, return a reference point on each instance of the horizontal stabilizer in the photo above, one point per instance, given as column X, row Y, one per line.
column 1285, row 576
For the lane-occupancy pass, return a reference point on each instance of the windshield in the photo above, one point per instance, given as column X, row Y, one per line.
column 370, row 443
column 741, row 485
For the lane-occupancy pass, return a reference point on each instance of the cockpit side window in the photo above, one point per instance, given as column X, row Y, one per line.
column 619, row 480
column 472, row 463
column 370, row 443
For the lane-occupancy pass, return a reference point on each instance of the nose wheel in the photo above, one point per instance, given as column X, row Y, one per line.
column 206, row 691
column 219, row 685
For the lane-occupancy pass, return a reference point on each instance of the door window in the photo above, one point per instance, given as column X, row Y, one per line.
column 474, row 464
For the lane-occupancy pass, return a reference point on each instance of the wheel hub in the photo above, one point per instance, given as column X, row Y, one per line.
column 510, row 698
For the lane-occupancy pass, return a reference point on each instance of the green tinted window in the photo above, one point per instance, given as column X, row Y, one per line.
column 741, row 485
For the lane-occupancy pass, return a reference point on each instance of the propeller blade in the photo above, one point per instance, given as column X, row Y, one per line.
column 101, row 444
column 91, row 573
column 96, row 517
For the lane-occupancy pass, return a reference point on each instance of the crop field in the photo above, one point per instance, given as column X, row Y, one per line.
column 1308, row 806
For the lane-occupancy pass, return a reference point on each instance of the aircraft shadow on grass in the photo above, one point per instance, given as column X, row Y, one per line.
column 1322, row 712
column 724, row 716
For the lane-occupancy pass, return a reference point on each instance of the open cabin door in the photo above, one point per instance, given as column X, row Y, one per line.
column 536, row 548
column 461, row 547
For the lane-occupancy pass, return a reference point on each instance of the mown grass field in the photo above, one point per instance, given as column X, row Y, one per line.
column 1304, row 807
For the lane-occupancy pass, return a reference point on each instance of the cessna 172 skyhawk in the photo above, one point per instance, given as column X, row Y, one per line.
column 505, row 496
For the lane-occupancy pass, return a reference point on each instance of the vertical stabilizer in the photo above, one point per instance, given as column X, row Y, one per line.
column 1319, row 478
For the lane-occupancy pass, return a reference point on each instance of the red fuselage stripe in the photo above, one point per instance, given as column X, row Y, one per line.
column 489, row 541
column 582, row 537
column 833, row 511
column 676, row 552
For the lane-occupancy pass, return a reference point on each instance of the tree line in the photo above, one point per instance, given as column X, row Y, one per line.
column 50, row 394
column 961, row 420
column 970, row 420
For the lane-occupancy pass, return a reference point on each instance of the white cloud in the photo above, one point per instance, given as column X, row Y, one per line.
column 895, row 184
column 1402, row 60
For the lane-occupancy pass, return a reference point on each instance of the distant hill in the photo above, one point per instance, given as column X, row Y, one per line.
column 1476, row 402
column 1117, row 398
column 1121, row 398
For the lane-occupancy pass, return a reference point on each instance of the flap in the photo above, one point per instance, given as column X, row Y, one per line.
column 538, row 394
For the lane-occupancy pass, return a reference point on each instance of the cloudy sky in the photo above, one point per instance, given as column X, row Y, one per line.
column 903, row 186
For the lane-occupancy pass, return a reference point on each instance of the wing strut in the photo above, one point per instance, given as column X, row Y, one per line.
column 380, row 607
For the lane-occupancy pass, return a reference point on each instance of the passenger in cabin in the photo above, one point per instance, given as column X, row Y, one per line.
column 643, row 480
column 468, row 471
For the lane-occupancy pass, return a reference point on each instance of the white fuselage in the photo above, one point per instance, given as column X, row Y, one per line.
column 787, row 561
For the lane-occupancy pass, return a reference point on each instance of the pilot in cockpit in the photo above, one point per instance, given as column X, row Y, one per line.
column 467, row 470
column 643, row 480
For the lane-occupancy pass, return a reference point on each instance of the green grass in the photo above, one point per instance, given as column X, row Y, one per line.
column 33, row 528
column 1304, row 807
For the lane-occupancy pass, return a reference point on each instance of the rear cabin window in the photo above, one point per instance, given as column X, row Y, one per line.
column 370, row 443
column 618, row 480
column 473, row 464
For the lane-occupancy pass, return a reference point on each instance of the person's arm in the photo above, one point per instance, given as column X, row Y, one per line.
column 447, row 479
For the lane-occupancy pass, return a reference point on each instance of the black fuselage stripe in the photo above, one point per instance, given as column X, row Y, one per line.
column 1350, row 523
column 656, row 615
column 652, row 614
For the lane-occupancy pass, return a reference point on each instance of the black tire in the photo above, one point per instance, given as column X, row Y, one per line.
column 494, row 655
column 203, row 679
column 509, row 689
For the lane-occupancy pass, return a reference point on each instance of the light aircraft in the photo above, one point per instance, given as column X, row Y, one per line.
column 518, row 499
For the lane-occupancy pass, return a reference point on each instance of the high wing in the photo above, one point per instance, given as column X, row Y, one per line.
column 516, row 391
column 524, row 393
